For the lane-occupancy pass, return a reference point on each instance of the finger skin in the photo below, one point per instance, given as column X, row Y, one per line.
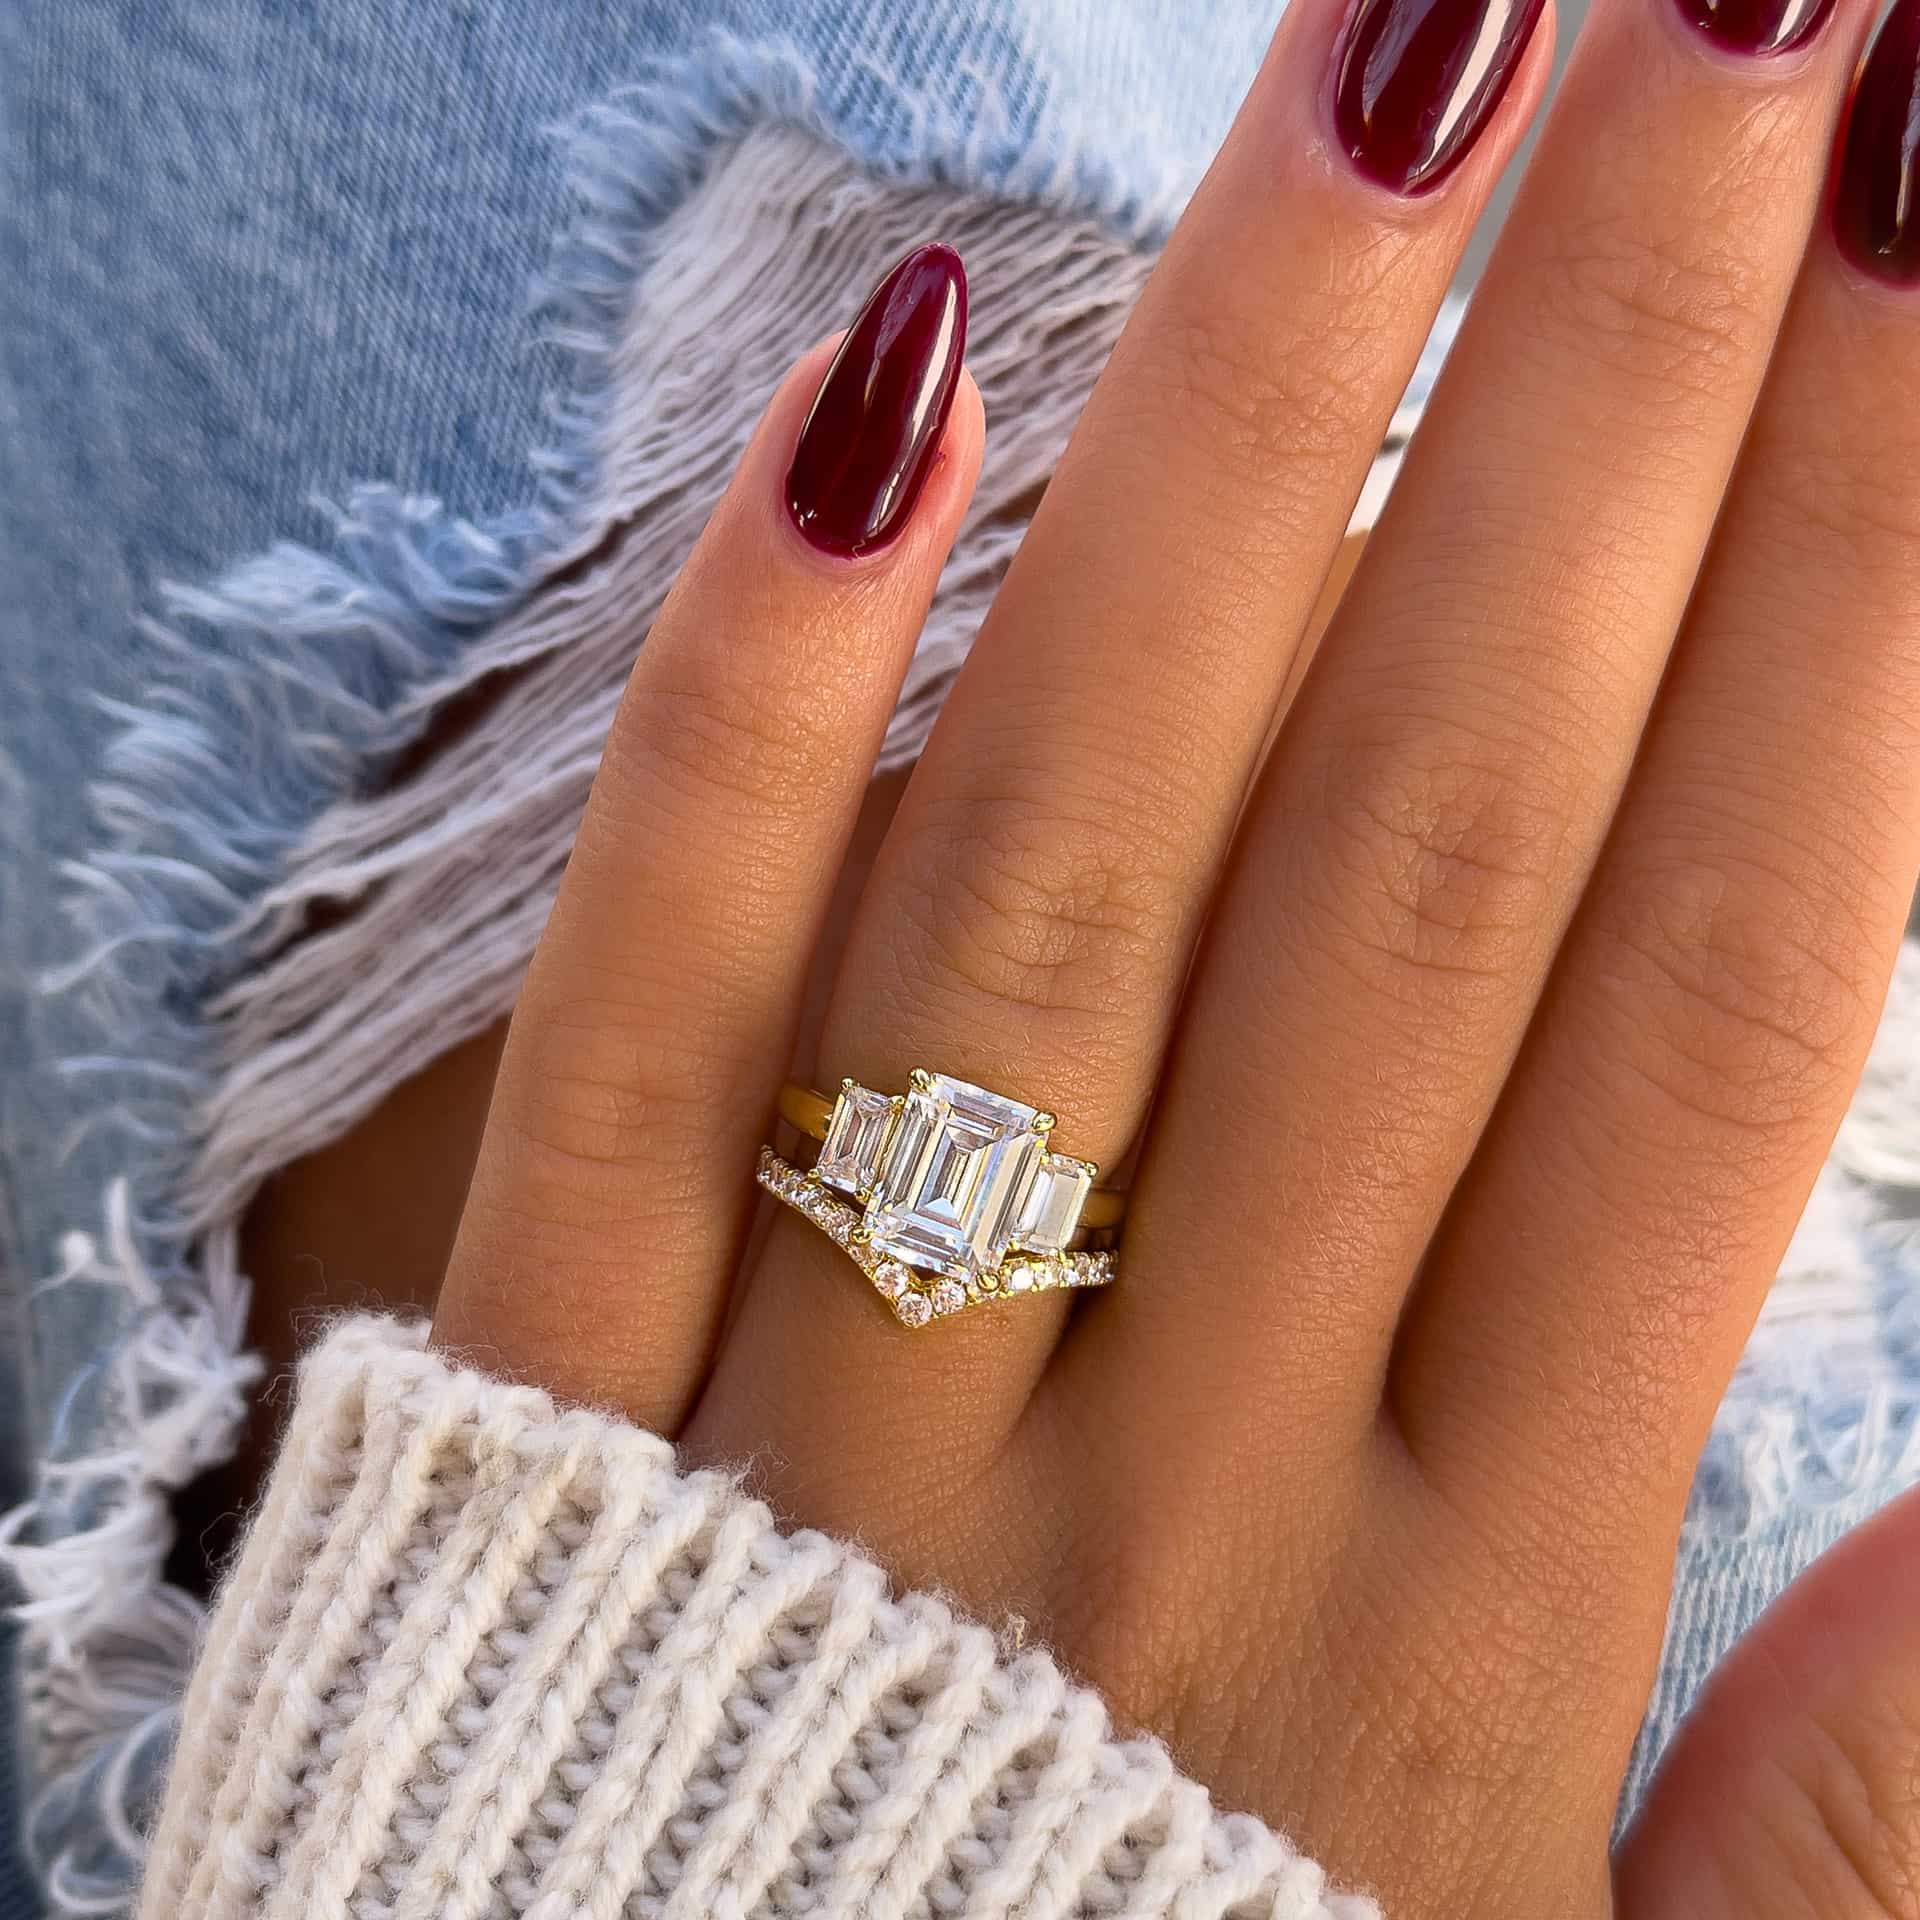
column 1718, row 991
column 1789, row 1790
column 1440, row 790
column 614, row 1186
column 1030, row 918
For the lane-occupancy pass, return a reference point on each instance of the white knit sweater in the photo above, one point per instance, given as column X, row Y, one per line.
column 483, row 1657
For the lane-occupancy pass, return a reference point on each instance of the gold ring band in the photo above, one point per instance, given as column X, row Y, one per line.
column 810, row 1113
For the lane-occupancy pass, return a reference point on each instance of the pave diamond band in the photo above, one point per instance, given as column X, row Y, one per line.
column 955, row 1181
column 917, row 1299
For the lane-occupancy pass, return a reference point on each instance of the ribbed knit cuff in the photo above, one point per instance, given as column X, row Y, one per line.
column 482, row 1657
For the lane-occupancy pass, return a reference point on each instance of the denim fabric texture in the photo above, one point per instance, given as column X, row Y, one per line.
column 251, row 259
column 258, row 260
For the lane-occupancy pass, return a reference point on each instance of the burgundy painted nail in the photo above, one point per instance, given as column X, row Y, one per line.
column 1418, row 79
column 1757, row 26
column 1876, row 194
column 867, row 445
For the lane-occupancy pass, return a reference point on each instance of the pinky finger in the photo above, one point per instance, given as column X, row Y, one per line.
column 615, row 1179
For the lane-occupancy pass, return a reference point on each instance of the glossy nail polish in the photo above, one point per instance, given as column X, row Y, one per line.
column 1757, row 26
column 869, row 438
column 1416, row 80
column 1875, row 204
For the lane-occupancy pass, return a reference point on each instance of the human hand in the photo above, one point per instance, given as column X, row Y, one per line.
column 1537, row 963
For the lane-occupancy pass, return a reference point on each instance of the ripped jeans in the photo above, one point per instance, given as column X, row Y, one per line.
column 254, row 260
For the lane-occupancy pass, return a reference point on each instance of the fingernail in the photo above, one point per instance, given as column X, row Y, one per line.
column 1757, row 26
column 1416, row 80
column 1876, row 194
column 867, row 445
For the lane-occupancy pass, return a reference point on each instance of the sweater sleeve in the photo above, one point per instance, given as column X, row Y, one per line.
column 484, row 1657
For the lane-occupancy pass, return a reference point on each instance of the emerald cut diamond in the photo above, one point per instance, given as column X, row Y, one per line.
column 955, row 1176
column 1051, row 1210
column 856, row 1133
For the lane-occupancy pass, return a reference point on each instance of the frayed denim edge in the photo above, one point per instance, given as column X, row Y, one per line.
column 322, row 662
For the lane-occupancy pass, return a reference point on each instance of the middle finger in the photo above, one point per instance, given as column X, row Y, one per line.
column 1441, row 787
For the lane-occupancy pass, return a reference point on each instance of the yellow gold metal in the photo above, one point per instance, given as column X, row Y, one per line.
column 921, row 1079
column 804, row 1110
column 808, row 1112
column 917, row 1299
column 1044, row 1123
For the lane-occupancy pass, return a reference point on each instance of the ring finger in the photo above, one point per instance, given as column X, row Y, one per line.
column 1028, row 923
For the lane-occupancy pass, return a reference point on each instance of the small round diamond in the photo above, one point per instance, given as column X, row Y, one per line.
column 917, row 1301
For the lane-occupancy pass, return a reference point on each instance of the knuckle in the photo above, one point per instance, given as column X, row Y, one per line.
column 1027, row 907
column 1443, row 853
column 1681, row 315
column 1265, row 412
column 713, row 734
column 606, row 1093
column 1746, row 997
column 1841, row 484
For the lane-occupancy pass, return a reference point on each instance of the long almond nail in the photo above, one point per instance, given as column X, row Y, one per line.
column 1876, row 193
column 868, row 442
column 1416, row 81
column 1757, row 26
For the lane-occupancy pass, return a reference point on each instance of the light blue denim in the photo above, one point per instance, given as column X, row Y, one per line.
column 255, row 254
